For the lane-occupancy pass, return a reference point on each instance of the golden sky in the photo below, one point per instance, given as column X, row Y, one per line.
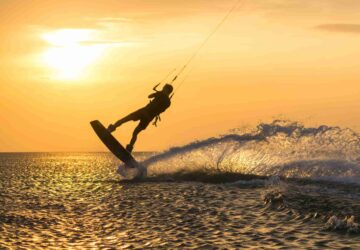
column 65, row 63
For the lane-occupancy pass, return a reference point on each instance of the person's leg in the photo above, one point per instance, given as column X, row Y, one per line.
column 142, row 125
column 123, row 120
column 137, row 130
column 131, row 117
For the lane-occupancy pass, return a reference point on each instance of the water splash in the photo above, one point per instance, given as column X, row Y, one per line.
column 281, row 148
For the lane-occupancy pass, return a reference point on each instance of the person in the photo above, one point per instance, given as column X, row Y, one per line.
column 159, row 102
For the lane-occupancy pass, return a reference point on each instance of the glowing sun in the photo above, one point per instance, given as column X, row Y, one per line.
column 70, row 52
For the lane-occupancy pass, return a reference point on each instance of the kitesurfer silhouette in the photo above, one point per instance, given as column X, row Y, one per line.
column 159, row 102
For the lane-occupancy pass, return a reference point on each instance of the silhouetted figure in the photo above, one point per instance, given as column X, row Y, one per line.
column 159, row 102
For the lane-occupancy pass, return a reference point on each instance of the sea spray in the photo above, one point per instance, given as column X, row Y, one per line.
column 283, row 148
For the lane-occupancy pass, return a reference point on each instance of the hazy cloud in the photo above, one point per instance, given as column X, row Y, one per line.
column 113, row 19
column 338, row 27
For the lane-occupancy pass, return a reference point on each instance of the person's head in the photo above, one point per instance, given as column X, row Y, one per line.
column 167, row 89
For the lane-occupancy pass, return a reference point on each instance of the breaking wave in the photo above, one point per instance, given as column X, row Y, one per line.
column 280, row 148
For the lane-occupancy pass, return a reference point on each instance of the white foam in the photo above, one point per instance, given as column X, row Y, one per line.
column 280, row 148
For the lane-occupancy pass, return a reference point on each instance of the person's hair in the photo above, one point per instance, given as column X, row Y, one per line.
column 169, row 88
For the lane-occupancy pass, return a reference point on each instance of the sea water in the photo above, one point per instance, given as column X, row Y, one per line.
column 278, row 186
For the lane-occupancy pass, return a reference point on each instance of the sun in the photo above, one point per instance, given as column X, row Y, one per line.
column 70, row 52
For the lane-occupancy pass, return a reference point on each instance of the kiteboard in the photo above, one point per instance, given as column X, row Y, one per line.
column 117, row 149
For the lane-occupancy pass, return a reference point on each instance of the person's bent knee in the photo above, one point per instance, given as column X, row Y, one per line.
column 139, row 129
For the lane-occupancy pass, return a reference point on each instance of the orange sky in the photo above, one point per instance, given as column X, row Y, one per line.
column 65, row 63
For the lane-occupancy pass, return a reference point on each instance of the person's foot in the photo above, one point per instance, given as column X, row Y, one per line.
column 111, row 128
column 129, row 148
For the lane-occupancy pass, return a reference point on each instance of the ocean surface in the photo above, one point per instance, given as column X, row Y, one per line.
column 276, row 186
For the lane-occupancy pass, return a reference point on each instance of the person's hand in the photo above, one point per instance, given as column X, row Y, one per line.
column 111, row 128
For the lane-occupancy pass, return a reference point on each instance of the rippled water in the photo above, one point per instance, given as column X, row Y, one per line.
column 76, row 200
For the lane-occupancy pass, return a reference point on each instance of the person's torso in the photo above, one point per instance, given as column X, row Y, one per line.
column 158, row 105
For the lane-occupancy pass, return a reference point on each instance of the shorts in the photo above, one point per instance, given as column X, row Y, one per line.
column 143, row 116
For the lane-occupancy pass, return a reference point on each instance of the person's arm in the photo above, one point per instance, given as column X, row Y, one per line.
column 154, row 95
column 156, row 91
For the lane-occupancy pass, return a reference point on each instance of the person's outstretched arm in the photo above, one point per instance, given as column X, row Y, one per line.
column 153, row 95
